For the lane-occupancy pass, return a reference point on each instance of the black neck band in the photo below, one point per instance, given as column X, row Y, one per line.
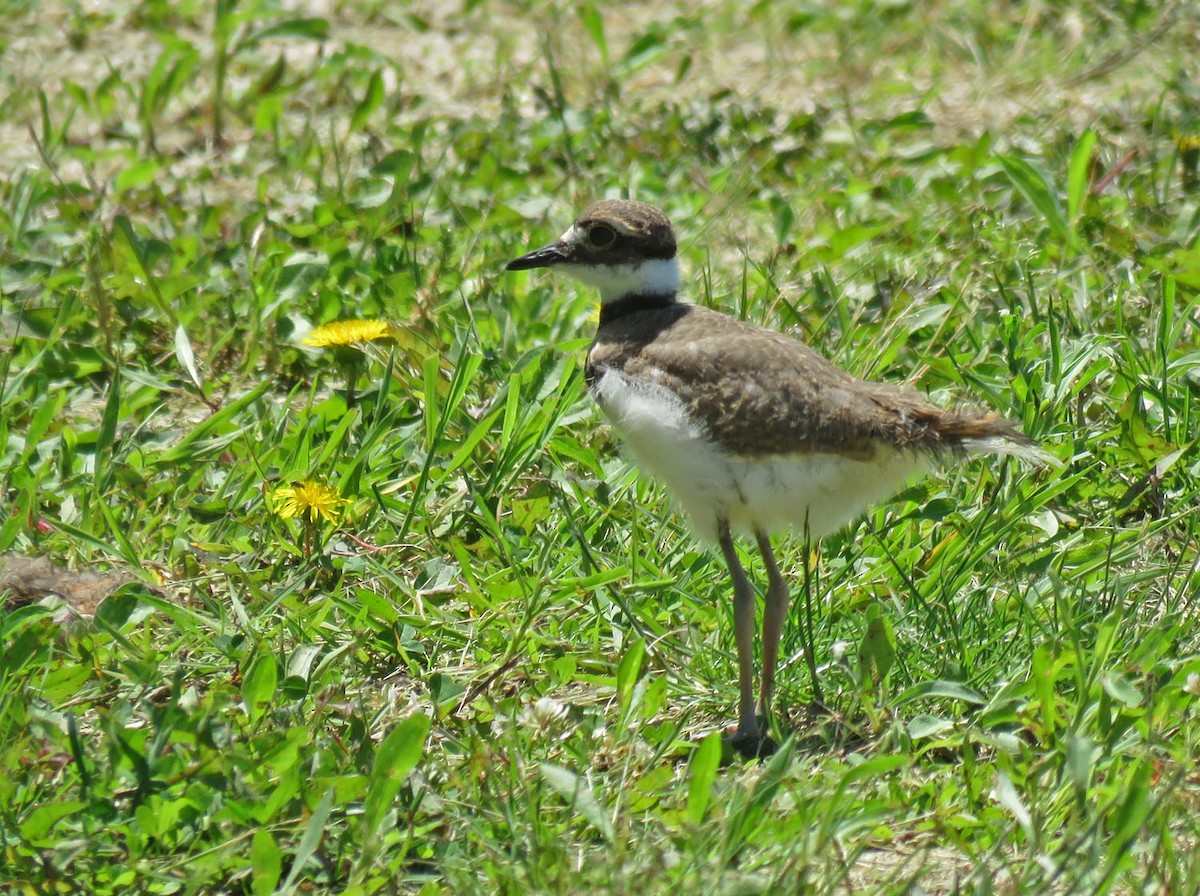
column 631, row 304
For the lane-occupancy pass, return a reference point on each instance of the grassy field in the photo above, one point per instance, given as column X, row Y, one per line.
column 497, row 661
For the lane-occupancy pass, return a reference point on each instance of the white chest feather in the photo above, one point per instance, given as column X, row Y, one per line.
column 820, row 492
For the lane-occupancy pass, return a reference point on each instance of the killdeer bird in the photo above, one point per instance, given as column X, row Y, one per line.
column 751, row 430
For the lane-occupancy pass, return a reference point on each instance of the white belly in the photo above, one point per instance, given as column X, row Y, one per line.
column 820, row 492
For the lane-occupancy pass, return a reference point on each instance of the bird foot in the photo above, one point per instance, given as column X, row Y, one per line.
column 751, row 745
column 817, row 710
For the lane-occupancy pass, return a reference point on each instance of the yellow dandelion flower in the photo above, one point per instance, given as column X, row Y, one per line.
column 313, row 498
column 1189, row 143
column 349, row 332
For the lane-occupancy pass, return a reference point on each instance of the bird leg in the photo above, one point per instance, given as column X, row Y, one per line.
column 743, row 633
column 777, row 599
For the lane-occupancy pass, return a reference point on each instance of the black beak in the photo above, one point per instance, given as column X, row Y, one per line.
column 546, row 257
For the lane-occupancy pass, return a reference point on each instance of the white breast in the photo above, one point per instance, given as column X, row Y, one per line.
column 819, row 491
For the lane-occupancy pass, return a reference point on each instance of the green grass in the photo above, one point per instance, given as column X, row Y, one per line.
column 506, row 669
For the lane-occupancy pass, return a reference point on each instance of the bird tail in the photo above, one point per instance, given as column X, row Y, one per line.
column 992, row 434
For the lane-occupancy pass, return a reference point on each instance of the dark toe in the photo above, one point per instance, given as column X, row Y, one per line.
column 758, row 745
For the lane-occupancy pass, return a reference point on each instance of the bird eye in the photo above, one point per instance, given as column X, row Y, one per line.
column 601, row 236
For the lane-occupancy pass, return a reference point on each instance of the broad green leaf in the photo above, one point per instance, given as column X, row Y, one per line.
column 1004, row 793
column 628, row 670
column 107, row 435
column 1043, row 683
column 187, row 357
column 42, row 820
column 372, row 100
column 313, row 832
column 953, row 690
column 314, row 28
column 136, row 175
column 702, row 774
column 594, row 25
column 266, row 862
column 650, row 788
column 578, row 794
column 1078, row 175
column 13, row 622
column 922, row 726
column 397, row 755
column 258, row 685
column 877, row 651
column 645, row 48
column 1081, row 754
column 1121, row 689
column 228, row 414
column 876, row 767
column 1135, row 806
column 1036, row 187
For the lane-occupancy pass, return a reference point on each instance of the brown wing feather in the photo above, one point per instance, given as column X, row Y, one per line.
column 761, row 392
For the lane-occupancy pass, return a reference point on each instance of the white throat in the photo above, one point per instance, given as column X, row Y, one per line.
column 649, row 277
